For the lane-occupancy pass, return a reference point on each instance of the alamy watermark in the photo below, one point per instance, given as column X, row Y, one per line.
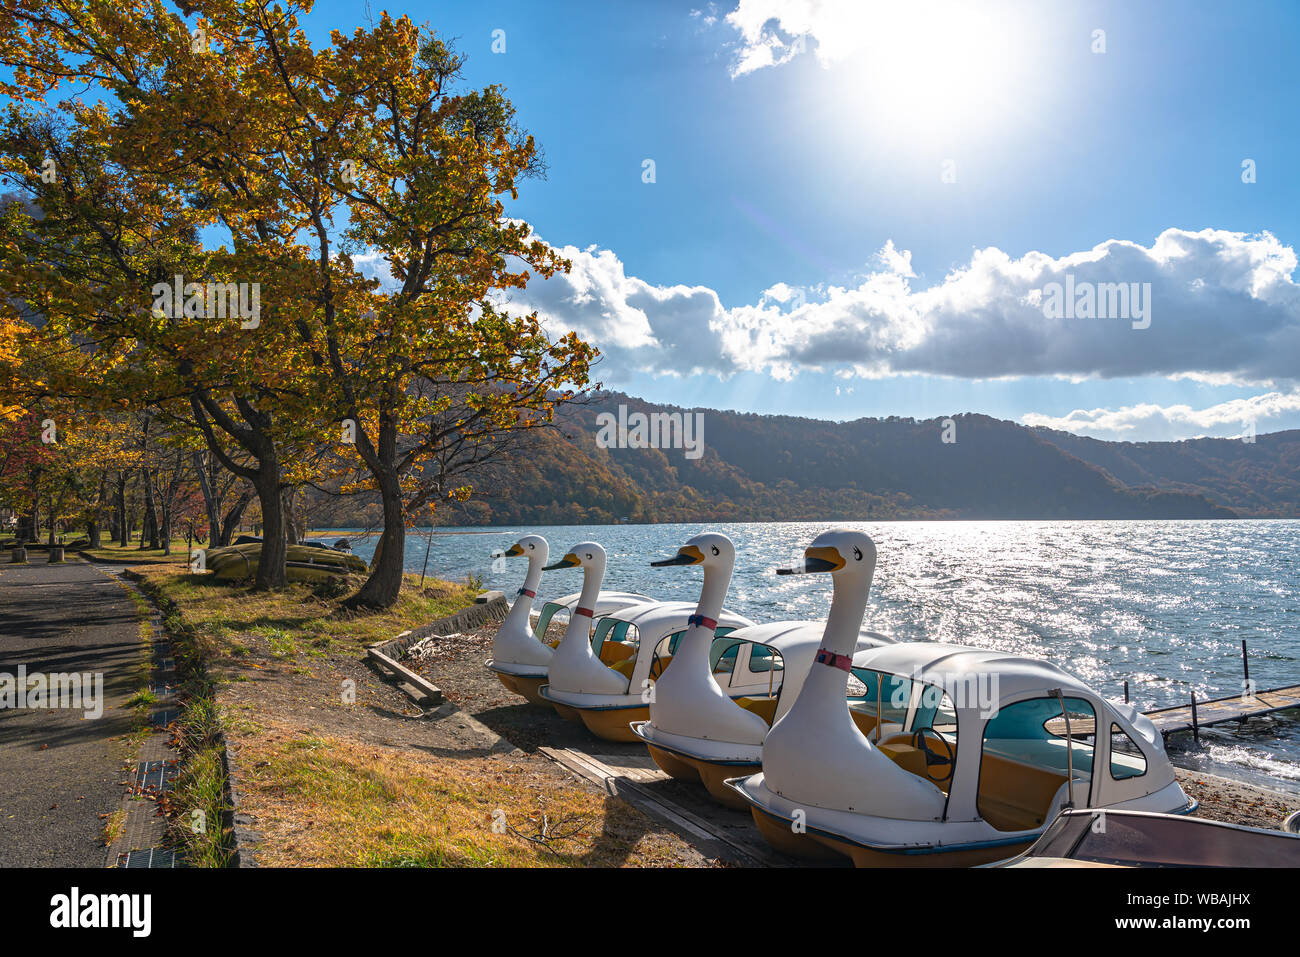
column 133, row 912
column 1097, row 300
column 73, row 692
column 209, row 300
column 653, row 430
column 975, row 690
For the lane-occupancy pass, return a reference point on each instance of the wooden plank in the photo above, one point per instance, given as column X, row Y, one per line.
column 406, row 678
column 635, row 794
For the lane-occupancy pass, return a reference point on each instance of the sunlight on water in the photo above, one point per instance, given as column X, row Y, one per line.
column 1162, row 604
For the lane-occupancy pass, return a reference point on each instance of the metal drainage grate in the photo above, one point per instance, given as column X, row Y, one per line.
column 162, row 687
column 153, row 857
column 165, row 717
column 155, row 775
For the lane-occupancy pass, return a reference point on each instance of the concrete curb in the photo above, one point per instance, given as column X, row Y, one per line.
column 243, row 839
column 246, row 840
column 466, row 619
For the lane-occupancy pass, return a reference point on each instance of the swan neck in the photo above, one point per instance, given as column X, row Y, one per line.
column 714, row 591
column 592, row 576
column 848, row 608
column 534, row 576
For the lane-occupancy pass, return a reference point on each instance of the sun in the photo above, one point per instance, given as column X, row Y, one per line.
column 933, row 72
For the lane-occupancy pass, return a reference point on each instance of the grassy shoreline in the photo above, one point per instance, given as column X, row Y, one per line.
column 337, row 768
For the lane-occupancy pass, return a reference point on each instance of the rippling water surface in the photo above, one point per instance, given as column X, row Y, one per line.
column 1164, row 605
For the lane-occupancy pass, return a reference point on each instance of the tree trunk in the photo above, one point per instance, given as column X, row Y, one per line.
column 123, row 526
column 270, row 566
column 210, row 502
column 231, row 522
column 94, row 530
column 150, row 513
column 290, row 526
column 385, row 582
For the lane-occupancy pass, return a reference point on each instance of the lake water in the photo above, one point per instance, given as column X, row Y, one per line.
column 1164, row 605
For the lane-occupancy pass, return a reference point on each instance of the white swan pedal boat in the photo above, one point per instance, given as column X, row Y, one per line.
column 635, row 645
column 590, row 679
column 521, row 656
column 712, row 710
column 988, row 749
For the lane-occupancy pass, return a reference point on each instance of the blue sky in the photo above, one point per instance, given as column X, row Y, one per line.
column 793, row 176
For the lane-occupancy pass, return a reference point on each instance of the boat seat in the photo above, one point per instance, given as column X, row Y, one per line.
column 1015, row 796
column 659, row 664
column 906, row 757
column 624, row 667
column 897, row 746
column 613, row 652
column 866, row 722
column 761, row 705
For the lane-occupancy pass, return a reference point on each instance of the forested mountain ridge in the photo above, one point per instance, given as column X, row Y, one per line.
column 1259, row 479
column 786, row 468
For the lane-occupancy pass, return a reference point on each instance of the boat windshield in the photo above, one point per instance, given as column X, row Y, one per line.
column 894, row 692
column 1161, row 840
column 1028, row 757
column 880, row 703
column 615, row 643
column 546, row 618
column 746, row 667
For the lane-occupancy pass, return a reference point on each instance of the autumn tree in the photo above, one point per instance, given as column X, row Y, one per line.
column 116, row 205
column 304, row 159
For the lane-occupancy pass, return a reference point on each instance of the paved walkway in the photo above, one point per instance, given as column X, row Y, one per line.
column 58, row 770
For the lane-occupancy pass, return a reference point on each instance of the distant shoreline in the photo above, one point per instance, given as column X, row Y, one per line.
column 495, row 529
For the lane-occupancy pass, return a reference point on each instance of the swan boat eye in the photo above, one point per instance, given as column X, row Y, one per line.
column 715, row 550
column 857, row 553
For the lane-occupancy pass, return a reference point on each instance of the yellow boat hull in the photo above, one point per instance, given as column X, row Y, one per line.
column 564, row 711
column 614, row 724
column 526, row 686
column 712, row 775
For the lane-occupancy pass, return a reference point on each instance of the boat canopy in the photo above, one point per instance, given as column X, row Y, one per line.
column 951, row 668
column 607, row 603
column 785, row 647
column 651, row 631
column 1002, row 717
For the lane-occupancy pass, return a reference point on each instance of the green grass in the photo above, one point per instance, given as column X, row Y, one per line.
column 200, row 792
column 222, row 616
column 210, row 620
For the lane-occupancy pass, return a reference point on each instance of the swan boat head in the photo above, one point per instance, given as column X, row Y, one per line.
column 575, row 667
column 515, row 647
column 687, row 700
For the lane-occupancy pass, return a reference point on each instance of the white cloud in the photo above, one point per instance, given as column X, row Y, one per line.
column 1153, row 422
column 1223, row 308
column 773, row 32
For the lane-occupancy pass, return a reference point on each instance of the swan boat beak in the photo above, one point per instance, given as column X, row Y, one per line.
column 686, row 555
column 568, row 561
column 823, row 559
column 514, row 551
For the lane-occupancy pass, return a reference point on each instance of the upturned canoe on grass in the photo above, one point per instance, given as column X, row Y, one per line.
column 304, row 563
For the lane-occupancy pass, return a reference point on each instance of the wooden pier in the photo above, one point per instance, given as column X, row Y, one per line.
column 1201, row 714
